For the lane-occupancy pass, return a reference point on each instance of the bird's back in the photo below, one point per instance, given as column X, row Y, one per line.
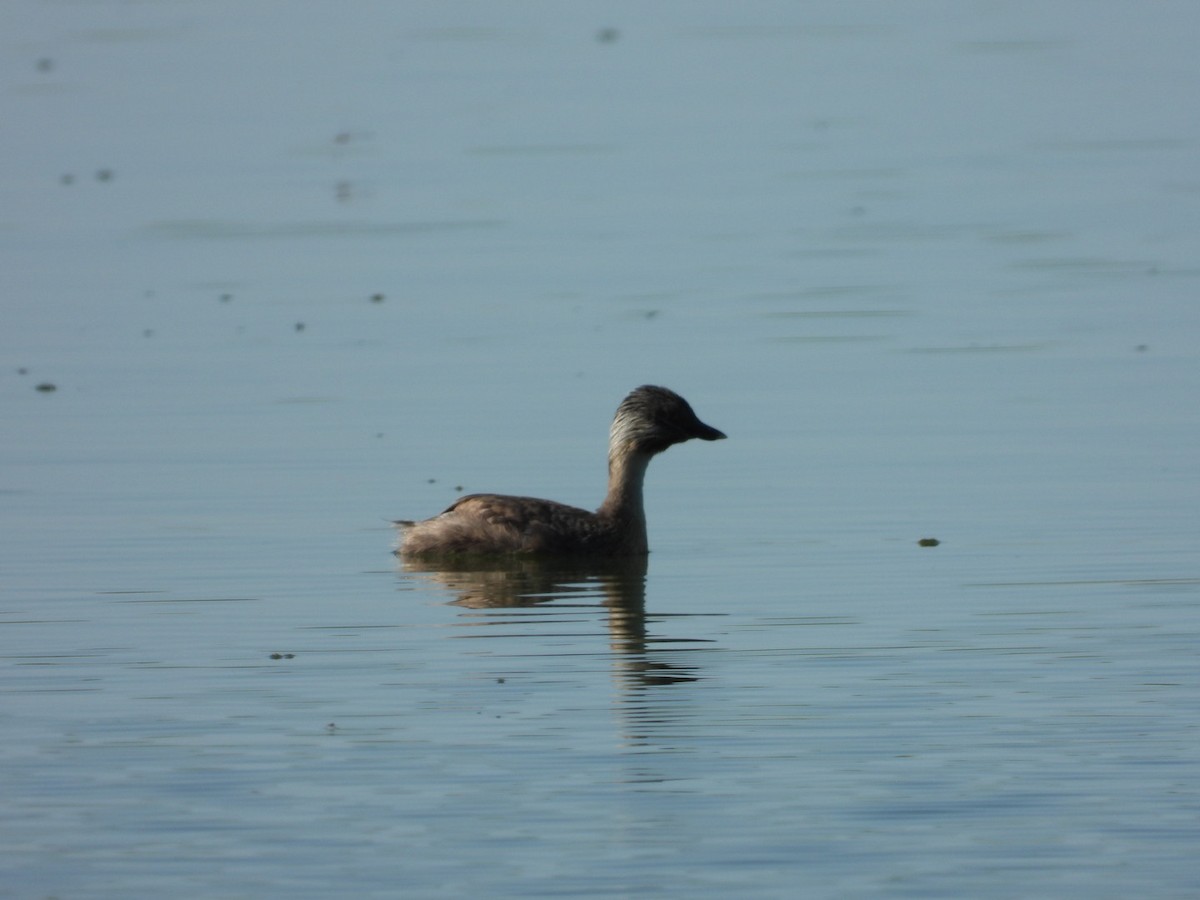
column 496, row 523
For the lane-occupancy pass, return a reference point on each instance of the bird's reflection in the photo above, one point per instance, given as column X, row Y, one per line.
column 618, row 585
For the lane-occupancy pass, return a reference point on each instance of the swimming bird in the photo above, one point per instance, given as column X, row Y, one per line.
column 648, row 421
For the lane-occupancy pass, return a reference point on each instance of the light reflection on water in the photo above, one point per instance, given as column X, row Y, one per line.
column 597, row 730
column 552, row 601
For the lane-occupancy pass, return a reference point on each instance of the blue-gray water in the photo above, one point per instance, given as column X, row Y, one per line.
column 297, row 268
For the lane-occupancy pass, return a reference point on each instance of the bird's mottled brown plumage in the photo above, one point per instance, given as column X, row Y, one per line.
column 648, row 421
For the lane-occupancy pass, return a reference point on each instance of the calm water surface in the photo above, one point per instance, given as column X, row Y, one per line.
column 934, row 270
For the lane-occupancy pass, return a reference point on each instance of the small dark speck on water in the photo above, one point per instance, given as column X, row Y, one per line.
column 928, row 542
column 46, row 387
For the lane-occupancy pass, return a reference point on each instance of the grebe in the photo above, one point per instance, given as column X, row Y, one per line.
column 648, row 421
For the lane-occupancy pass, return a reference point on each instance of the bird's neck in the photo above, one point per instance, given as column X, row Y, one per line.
column 623, row 503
